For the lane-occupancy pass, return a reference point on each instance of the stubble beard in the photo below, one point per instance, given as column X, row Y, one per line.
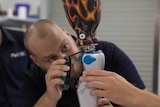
column 76, row 74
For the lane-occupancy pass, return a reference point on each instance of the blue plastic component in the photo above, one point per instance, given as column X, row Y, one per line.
column 89, row 59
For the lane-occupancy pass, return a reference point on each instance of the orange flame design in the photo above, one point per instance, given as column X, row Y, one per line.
column 84, row 17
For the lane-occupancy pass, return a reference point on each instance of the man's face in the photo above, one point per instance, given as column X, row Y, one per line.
column 56, row 44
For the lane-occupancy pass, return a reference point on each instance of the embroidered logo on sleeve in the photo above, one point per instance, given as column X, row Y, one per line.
column 18, row 54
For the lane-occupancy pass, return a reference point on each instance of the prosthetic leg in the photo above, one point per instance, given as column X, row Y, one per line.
column 84, row 17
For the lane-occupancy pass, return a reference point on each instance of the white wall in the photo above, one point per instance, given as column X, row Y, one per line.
column 159, row 61
column 158, row 43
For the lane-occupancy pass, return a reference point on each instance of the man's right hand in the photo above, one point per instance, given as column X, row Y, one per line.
column 53, row 83
column 53, row 80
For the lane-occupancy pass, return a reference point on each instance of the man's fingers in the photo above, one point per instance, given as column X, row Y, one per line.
column 104, row 102
column 95, row 84
column 102, row 73
column 94, row 78
column 98, row 92
column 57, row 81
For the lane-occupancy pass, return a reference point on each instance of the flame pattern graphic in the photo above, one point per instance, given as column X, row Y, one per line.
column 84, row 17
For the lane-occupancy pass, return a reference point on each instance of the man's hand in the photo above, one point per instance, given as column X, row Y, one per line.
column 53, row 79
column 109, row 85
column 104, row 102
column 53, row 84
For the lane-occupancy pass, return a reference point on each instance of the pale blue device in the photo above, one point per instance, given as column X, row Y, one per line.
column 93, row 60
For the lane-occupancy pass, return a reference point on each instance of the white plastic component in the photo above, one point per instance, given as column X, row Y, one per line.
column 91, row 61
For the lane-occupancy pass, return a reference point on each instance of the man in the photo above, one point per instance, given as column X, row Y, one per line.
column 118, row 90
column 48, row 45
column 14, row 62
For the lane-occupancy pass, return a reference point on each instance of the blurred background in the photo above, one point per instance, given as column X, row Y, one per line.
column 133, row 25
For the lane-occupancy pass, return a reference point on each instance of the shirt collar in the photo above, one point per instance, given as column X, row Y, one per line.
column 7, row 37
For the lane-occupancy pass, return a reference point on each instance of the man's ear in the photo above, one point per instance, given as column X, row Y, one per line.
column 34, row 59
column 65, row 31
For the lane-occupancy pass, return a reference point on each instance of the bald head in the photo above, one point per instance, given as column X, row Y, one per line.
column 47, row 42
column 37, row 30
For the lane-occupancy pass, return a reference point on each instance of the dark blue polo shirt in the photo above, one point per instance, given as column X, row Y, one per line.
column 115, row 60
column 14, row 62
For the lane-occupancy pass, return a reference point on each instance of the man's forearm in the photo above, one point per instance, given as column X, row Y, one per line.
column 141, row 98
column 45, row 101
column 147, row 99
